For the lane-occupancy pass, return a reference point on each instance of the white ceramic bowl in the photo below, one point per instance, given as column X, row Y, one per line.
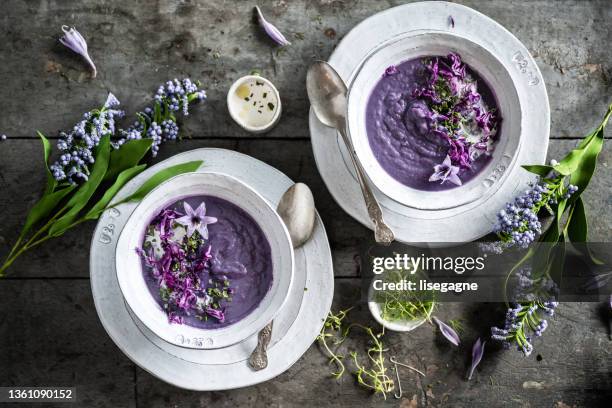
column 409, row 46
column 130, row 273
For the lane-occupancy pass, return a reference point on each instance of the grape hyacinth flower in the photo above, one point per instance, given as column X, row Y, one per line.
column 518, row 223
column 75, row 41
column 524, row 320
column 270, row 29
column 158, row 124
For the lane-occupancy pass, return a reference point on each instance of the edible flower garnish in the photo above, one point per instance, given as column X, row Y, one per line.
column 445, row 171
column 75, row 41
column 196, row 220
column 179, row 260
column 477, row 353
column 457, row 113
column 447, row 332
column 391, row 70
column 270, row 29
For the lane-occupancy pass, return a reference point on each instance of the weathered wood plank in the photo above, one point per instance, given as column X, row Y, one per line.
column 21, row 180
column 582, row 349
column 50, row 335
column 138, row 44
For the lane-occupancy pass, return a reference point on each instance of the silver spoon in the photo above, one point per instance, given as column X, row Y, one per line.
column 327, row 94
column 296, row 209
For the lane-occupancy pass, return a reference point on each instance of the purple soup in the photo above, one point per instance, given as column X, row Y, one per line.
column 206, row 262
column 432, row 122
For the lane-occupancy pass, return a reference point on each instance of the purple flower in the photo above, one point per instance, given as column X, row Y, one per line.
column 217, row 314
column 111, row 101
column 391, row 70
column 174, row 318
column 446, row 171
column 196, row 220
column 457, row 67
column 477, row 352
column 447, row 332
column 75, row 41
column 270, row 29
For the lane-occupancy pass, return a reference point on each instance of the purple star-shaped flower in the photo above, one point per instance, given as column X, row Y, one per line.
column 196, row 220
column 446, row 172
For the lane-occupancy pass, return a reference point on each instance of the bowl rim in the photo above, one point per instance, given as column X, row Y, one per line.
column 494, row 173
column 145, row 307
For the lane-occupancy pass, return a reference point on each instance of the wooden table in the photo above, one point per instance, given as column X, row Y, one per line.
column 49, row 330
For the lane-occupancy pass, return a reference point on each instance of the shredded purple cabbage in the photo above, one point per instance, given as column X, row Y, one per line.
column 181, row 267
column 449, row 98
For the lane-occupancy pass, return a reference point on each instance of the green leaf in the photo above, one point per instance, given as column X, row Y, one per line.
column 577, row 226
column 578, row 231
column 80, row 199
column 43, row 208
column 129, row 155
column 162, row 176
column 580, row 162
column 125, row 176
column 157, row 113
column 51, row 182
column 584, row 171
column 539, row 169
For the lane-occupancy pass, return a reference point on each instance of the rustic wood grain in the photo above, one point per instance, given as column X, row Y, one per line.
column 49, row 331
column 139, row 44
column 21, row 181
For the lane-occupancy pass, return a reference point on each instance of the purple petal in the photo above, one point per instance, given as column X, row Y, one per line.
column 447, row 332
column 75, row 41
column 271, row 30
column 391, row 70
column 454, row 178
column 438, row 175
column 111, row 101
column 447, row 161
column 188, row 210
column 477, row 352
column 200, row 212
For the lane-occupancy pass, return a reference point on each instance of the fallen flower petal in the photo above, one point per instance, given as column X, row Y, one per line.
column 270, row 29
column 447, row 332
column 75, row 41
column 477, row 352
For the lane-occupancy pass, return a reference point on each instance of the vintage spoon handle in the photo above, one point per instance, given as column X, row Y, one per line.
column 382, row 233
column 259, row 357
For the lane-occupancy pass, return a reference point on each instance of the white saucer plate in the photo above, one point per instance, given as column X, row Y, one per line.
column 295, row 328
column 473, row 219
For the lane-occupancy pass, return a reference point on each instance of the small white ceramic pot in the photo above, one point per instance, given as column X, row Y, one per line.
column 254, row 103
column 130, row 272
column 398, row 325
